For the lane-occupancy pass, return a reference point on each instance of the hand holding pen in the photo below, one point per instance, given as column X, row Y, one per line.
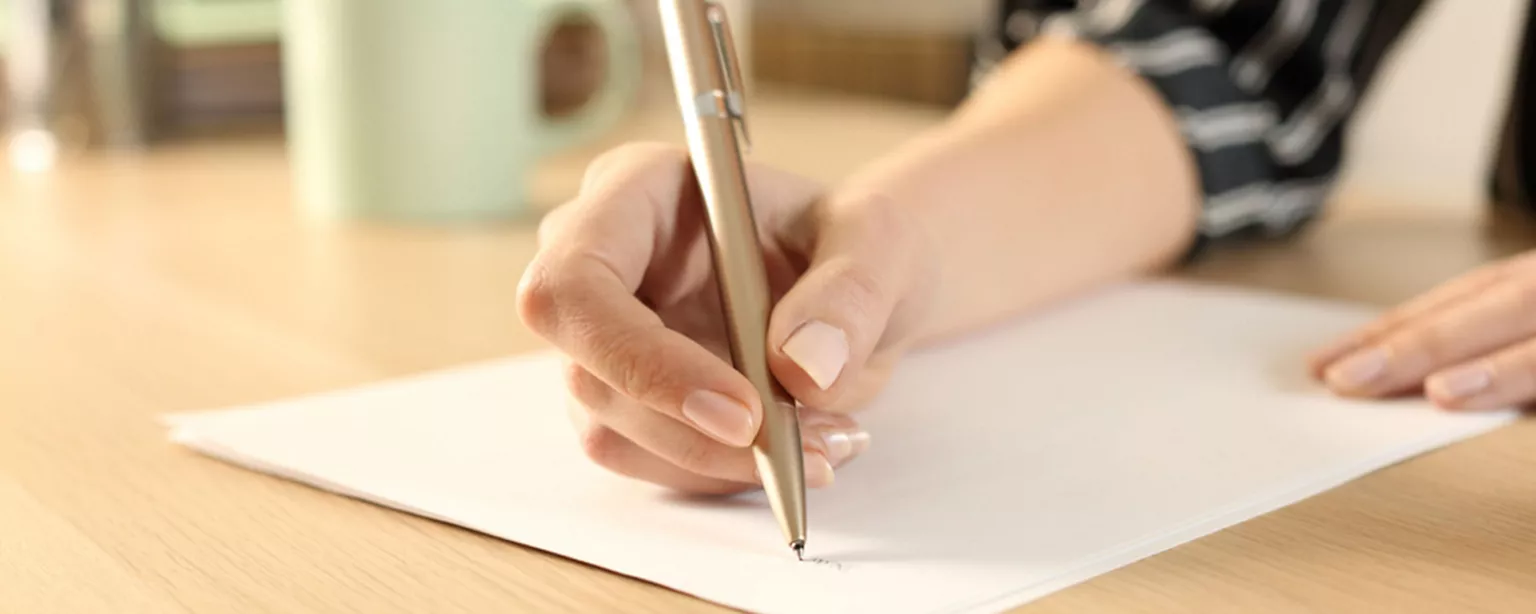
column 624, row 286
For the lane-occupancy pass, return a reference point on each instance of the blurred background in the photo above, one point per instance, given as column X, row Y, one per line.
column 153, row 71
column 219, row 60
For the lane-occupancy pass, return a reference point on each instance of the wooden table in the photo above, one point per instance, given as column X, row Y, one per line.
column 182, row 280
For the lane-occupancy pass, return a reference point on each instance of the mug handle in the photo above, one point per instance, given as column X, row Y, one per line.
column 620, row 82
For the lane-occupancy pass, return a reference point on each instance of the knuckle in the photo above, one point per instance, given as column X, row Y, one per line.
column 643, row 381
column 637, row 374
column 864, row 290
column 629, row 157
column 699, row 456
column 1375, row 330
column 1425, row 347
column 1524, row 297
column 591, row 392
column 551, row 224
column 537, row 299
column 1516, row 363
column 1517, row 371
column 1509, row 371
column 602, row 445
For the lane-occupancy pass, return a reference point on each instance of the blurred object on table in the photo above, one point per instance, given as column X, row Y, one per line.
column 907, row 50
column 78, row 75
column 904, row 50
column 432, row 112
column 218, row 64
column 914, row 66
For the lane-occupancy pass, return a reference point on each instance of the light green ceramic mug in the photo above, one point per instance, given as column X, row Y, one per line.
column 430, row 110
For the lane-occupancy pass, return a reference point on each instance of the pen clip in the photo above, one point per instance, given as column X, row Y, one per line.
column 725, row 53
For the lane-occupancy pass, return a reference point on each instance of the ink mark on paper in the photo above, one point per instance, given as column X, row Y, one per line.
column 823, row 562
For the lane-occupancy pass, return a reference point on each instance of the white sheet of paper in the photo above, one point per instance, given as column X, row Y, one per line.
column 1004, row 466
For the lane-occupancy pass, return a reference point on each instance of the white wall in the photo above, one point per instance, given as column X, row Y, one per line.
column 1426, row 135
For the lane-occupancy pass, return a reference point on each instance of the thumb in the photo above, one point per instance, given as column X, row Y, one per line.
column 824, row 331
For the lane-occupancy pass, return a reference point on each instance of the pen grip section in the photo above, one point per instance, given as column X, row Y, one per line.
column 748, row 302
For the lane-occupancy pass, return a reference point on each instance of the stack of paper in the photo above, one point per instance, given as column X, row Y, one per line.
column 1003, row 467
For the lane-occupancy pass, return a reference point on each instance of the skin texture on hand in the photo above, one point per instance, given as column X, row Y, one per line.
column 1467, row 344
column 623, row 286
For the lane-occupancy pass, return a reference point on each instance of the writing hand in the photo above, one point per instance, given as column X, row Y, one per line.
column 623, row 286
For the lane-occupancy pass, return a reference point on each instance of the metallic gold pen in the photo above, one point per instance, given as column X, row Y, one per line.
column 708, row 79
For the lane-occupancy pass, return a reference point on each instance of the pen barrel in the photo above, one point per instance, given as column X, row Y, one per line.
column 697, row 60
column 747, row 300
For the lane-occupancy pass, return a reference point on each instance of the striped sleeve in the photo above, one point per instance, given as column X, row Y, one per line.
column 1262, row 89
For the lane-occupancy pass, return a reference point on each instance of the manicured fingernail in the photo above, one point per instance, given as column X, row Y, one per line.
column 1461, row 382
column 720, row 416
column 843, row 445
column 820, row 349
column 818, row 472
column 1322, row 359
column 1359, row 369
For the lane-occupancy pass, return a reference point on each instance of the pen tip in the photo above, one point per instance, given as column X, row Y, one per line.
column 799, row 547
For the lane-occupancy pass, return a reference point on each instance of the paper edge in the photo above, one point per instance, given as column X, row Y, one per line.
column 1221, row 520
column 182, row 431
column 186, row 436
column 1096, row 565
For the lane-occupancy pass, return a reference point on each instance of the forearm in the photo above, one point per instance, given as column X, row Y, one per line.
column 1064, row 173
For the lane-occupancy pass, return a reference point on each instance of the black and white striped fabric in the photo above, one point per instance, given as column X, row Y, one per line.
column 1263, row 89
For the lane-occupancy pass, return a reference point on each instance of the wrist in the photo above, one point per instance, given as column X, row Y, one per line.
column 1067, row 174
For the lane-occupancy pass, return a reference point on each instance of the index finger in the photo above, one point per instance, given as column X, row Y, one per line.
column 579, row 293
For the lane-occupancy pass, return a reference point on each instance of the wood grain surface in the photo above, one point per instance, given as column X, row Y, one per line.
column 183, row 280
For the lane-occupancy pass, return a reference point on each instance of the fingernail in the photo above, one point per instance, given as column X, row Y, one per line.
column 1359, row 369
column 1461, row 382
column 1320, row 360
column 820, row 349
column 720, row 416
column 843, row 445
column 818, row 472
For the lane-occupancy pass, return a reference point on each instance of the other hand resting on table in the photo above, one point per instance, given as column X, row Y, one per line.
column 1467, row 344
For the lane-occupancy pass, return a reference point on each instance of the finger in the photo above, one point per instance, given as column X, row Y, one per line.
column 861, row 389
column 836, row 437
column 689, row 452
column 825, row 329
column 612, row 451
column 829, row 440
column 683, row 252
column 671, row 440
column 581, row 306
column 649, row 191
column 578, row 293
column 1504, row 379
column 1402, row 358
column 654, row 177
column 1438, row 299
